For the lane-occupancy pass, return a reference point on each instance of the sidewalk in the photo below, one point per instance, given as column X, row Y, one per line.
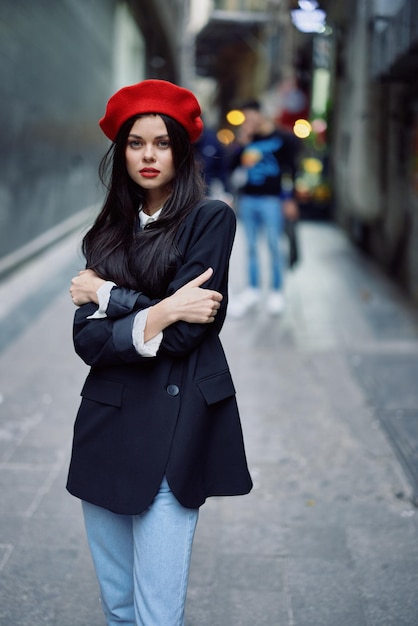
column 327, row 537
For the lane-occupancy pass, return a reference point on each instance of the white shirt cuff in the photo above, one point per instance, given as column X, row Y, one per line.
column 103, row 293
column 149, row 348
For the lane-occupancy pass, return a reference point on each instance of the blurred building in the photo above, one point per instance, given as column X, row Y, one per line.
column 358, row 71
column 245, row 48
column 375, row 129
column 60, row 62
column 352, row 81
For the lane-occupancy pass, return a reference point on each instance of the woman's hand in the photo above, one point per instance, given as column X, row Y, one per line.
column 84, row 287
column 195, row 304
column 191, row 303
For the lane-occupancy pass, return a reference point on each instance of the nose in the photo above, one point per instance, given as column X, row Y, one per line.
column 148, row 153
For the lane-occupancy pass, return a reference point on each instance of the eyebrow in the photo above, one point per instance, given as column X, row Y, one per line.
column 157, row 137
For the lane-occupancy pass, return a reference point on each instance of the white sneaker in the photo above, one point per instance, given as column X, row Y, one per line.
column 244, row 302
column 275, row 303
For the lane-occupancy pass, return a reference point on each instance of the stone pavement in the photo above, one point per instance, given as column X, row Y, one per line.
column 329, row 534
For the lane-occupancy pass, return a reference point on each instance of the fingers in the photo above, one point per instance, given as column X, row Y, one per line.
column 197, row 283
column 202, row 278
column 213, row 310
column 72, row 294
column 76, row 279
column 76, row 289
column 213, row 313
column 88, row 271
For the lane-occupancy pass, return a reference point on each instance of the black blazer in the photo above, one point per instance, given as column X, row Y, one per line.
column 174, row 414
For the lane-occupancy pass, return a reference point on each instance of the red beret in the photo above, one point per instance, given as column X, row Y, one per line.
column 153, row 96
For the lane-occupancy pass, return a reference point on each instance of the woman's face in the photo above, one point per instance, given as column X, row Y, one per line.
column 149, row 158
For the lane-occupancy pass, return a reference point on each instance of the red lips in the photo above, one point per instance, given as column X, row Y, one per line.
column 149, row 172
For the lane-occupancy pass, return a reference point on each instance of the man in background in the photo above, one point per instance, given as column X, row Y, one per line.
column 264, row 168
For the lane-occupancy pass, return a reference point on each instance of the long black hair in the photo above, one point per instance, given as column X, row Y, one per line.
column 114, row 247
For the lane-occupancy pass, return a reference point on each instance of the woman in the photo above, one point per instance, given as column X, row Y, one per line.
column 158, row 429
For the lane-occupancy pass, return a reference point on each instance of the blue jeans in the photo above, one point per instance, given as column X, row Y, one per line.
column 142, row 561
column 256, row 213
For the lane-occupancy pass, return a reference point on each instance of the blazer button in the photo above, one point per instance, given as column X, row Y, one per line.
column 173, row 390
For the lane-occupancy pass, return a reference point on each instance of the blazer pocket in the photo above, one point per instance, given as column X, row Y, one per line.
column 217, row 387
column 103, row 390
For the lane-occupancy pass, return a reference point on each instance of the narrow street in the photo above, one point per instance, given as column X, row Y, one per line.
column 329, row 403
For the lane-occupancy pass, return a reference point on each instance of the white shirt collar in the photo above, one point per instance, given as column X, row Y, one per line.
column 146, row 219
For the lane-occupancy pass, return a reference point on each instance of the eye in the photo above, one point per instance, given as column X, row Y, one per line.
column 164, row 144
column 134, row 143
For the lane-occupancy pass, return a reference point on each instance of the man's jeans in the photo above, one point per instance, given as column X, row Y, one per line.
column 263, row 213
column 142, row 561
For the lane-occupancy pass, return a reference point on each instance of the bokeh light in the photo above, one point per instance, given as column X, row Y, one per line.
column 319, row 125
column 235, row 117
column 302, row 129
column 312, row 165
column 225, row 136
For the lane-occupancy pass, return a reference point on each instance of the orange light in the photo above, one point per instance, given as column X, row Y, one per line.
column 225, row 136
